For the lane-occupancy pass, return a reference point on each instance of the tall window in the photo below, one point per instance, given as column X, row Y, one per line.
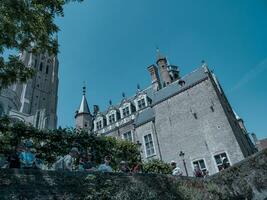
column 222, row 161
column 128, row 136
column 201, row 165
column 1, row 111
column 150, row 151
column 126, row 111
column 111, row 118
column 46, row 71
column 99, row 124
column 41, row 66
column 141, row 103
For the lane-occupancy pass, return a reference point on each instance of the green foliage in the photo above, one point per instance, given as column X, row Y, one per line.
column 53, row 143
column 26, row 25
column 157, row 166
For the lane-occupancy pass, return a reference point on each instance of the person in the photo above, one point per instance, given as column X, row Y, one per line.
column 124, row 167
column 67, row 162
column 176, row 171
column 13, row 159
column 86, row 163
column 206, row 174
column 27, row 158
column 105, row 167
column 197, row 171
column 137, row 168
column 225, row 163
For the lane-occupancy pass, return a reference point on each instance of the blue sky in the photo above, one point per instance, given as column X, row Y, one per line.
column 110, row 43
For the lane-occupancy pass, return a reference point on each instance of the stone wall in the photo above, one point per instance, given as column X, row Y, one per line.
column 245, row 180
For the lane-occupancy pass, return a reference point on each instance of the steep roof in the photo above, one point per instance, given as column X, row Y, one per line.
column 84, row 108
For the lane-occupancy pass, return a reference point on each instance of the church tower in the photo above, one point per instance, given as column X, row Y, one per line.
column 34, row 102
column 83, row 117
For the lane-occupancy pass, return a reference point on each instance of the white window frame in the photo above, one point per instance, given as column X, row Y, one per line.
column 99, row 123
column 152, row 137
column 197, row 160
column 142, row 103
column 123, row 137
column 98, row 119
column 140, row 97
column 217, row 153
column 111, row 118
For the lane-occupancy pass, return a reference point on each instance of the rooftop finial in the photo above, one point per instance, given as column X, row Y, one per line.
column 159, row 55
column 123, row 94
column 84, row 88
column 110, row 102
column 138, row 86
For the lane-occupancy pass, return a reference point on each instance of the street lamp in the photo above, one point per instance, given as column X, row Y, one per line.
column 182, row 156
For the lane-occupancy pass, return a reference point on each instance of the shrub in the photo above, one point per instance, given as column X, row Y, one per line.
column 50, row 144
column 157, row 166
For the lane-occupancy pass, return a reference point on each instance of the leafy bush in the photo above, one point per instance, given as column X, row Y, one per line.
column 50, row 144
column 157, row 166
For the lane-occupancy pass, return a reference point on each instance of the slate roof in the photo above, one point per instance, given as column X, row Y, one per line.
column 144, row 116
column 166, row 92
column 158, row 96
column 84, row 106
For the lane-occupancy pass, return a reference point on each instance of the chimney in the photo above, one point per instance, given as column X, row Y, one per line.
column 155, row 77
column 163, row 68
column 96, row 109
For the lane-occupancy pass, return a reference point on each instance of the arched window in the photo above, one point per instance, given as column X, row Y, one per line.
column 46, row 71
column 41, row 66
column 1, row 110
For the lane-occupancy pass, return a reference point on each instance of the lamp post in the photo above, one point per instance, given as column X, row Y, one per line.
column 182, row 156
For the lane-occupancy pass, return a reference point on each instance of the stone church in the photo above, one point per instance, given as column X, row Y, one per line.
column 187, row 119
column 34, row 102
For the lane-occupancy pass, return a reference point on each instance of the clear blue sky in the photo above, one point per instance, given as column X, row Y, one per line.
column 109, row 44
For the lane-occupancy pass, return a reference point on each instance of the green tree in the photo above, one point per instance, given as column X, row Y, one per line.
column 53, row 143
column 157, row 166
column 26, row 25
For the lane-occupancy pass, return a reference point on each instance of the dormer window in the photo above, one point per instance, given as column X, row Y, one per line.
column 99, row 124
column 126, row 111
column 141, row 103
column 111, row 118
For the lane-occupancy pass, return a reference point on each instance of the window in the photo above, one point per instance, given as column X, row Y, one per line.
column 111, row 118
column 41, row 66
column 222, row 161
column 126, row 111
column 46, row 71
column 35, row 64
column 99, row 124
column 128, row 136
column 150, row 151
column 201, row 165
column 1, row 111
column 141, row 103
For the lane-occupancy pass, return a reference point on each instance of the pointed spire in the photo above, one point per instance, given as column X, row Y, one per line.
column 110, row 102
column 123, row 94
column 84, row 108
